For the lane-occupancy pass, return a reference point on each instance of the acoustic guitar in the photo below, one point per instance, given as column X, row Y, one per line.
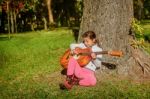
column 84, row 57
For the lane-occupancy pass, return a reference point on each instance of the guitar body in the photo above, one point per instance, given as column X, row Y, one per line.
column 65, row 58
column 82, row 59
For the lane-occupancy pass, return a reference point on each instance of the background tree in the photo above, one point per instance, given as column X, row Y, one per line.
column 50, row 14
column 111, row 20
column 3, row 16
column 142, row 9
column 147, row 9
column 42, row 15
column 139, row 9
column 27, row 15
column 67, row 12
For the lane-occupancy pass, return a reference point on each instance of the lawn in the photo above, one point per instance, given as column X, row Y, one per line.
column 29, row 69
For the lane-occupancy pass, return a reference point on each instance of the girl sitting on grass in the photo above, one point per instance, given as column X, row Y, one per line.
column 84, row 76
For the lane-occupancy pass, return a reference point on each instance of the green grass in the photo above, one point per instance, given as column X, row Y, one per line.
column 29, row 69
column 27, row 54
column 146, row 26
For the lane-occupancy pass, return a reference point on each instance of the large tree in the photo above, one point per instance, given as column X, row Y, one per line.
column 111, row 21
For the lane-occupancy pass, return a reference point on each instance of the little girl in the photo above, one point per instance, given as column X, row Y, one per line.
column 84, row 76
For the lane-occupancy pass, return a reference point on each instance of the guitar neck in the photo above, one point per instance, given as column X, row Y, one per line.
column 102, row 52
column 97, row 53
column 112, row 53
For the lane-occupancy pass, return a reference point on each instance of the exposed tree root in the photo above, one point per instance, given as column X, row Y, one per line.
column 143, row 60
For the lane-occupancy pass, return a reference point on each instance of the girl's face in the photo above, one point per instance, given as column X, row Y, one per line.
column 89, row 42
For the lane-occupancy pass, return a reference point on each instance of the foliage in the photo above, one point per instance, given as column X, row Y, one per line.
column 33, row 14
column 137, row 28
column 137, row 43
column 67, row 12
column 30, row 13
column 142, row 34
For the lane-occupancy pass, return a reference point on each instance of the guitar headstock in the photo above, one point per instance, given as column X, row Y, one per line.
column 115, row 53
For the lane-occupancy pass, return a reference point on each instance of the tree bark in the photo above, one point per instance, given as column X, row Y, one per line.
column 50, row 14
column 111, row 21
column 15, row 21
column 8, row 20
column 45, row 23
column 12, row 21
column 140, row 5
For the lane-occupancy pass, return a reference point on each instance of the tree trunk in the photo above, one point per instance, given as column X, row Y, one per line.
column 45, row 23
column 50, row 14
column 111, row 21
column 3, row 18
column 140, row 5
column 15, row 22
column 12, row 21
column 8, row 19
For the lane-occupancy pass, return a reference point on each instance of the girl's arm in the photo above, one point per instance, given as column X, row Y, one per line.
column 73, row 46
column 95, row 48
column 97, row 62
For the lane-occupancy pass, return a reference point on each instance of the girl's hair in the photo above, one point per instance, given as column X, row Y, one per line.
column 89, row 34
column 92, row 36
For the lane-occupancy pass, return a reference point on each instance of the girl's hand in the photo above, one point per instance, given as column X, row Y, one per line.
column 76, row 51
column 93, row 55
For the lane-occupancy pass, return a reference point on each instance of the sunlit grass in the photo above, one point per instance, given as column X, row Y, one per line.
column 28, row 60
column 27, row 54
column 146, row 34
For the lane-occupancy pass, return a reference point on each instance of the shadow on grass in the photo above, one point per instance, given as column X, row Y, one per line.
column 5, row 38
column 147, row 37
column 64, row 72
column 3, row 59
column 110, row 66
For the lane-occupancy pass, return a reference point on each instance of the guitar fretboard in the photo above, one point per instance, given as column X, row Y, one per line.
column 97, row 53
